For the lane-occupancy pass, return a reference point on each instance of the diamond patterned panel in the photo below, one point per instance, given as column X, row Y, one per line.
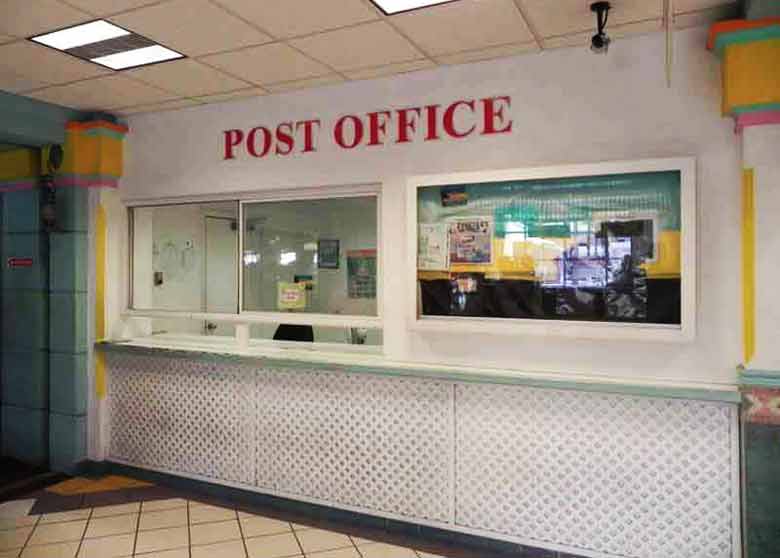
column 183, row 415
column 359, row 440
column 620, row 475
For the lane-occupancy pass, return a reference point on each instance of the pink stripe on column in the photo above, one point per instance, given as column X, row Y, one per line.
column 748, row 119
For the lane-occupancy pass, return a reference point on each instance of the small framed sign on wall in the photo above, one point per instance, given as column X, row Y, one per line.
column 328, row 254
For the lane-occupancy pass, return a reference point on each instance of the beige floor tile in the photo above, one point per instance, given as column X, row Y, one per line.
column 108, row 547
column 122, row 509
column 300, row 527
column 16, row 508
column 422, row 554
column 381, row 550
column 59, row 550
column 17, row 522
column 209, row 533
column 109, row 526
column 10, row 553
column 209, row 514
column 257, row 525
column 162, row 539
column 14, row 538
column 61, row 517
column 358, row 541
column 58, row 532
column 273, row 546
column 164, row 519
column 317, row 540
column 169, row 504
column 232, row 549
column 178, row 553
column 340, row 553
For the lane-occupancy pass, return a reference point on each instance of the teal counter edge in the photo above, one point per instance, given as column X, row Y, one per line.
column 759, row 378
column 701, row 394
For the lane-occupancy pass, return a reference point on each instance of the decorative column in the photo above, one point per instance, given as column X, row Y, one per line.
column 750, row 51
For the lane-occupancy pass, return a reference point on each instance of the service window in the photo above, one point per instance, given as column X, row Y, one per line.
column 313, row 256
column 593, row 248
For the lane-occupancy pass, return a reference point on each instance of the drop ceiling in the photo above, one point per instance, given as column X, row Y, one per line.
column 244, row 48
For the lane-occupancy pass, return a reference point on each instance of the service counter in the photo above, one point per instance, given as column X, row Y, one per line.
column 583, row 465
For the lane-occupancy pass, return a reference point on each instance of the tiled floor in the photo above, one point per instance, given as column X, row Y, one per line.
column 178, row 528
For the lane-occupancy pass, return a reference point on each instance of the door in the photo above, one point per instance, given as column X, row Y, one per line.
column 221, row 272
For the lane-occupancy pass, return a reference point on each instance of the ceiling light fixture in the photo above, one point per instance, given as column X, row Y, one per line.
column 390, row 7
column 108, row 45
column 80, row 35
column 600, row 41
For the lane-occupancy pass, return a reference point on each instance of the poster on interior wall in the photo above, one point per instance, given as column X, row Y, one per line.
column 291, row 296
column 307, row 280
column 361, row 273
column 471, row 241
column 433, row 251
column 454, row 196
column 327, row 254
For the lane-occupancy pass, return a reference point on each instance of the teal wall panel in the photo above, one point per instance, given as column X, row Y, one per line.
column 25, row 434
column 68, row 261
column 25, row 378
column 759, row 9
column 68, row 322
column 68, row 383
column 67, row 441
column 26, row 121
column 21, row 211
column 25, row 245
column 73, row 209
column 25, row 320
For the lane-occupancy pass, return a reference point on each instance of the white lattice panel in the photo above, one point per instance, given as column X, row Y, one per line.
column 619, row 475
column 366, row 441
column 183, row 415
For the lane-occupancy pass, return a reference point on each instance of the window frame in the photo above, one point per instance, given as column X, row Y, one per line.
column 247, row 317
column 683, row 333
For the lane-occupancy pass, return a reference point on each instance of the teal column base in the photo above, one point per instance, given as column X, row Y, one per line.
column 67, row 442
column 25, row 379
column 26, row 434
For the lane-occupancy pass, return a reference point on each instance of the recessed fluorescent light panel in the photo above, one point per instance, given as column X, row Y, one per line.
column 390, row 7
column 107, row 44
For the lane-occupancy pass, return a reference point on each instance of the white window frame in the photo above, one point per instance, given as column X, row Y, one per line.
column 685, row 332
column 247, row 317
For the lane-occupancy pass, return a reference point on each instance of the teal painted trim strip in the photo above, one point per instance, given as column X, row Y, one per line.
column 761, row 107
column 103, row 132
column 763, row 378
column 444, row 374
column 747, row 36
column 32, row 123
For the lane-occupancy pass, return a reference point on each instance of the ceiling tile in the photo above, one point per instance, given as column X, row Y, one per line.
column 14, row 83
column 6, row 39
column 305, row 83
column 617, row 32
column 706, row 17
column 187, row 78
column 108, row 7
column 193, row 27
column 364, row 46
column 292, row 18
column 571, row 16
column 682, row 6
column 23, row 18
column 42, row 64
column 488, row 53
column 464, row 25
column 233, row 95
column 160, row 107
column 105, row 93
column 268, row 64
column 391, row 69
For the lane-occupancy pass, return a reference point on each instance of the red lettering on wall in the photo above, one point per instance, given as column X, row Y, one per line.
column 431, row 114
column 308, row 134
column 232, row 139
column 357, row 131
column 407, row 122
column 493, row 114
column 284, row 139
column 251, row 141
column 449, row 119
column 377, row 127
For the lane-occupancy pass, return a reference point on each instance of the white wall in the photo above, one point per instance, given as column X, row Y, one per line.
column 569, row 106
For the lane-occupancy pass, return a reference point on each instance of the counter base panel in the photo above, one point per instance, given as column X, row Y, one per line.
column 585, row 473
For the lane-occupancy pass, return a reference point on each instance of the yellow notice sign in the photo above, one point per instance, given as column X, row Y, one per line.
column 291, row 296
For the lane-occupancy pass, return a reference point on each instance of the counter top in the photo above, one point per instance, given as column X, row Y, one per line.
column 361, row 359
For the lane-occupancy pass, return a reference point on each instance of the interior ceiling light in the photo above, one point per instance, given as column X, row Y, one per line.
column 390, row 7
column 107, row 44
column 600, row 41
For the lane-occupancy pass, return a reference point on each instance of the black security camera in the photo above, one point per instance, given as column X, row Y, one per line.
column 600, row 41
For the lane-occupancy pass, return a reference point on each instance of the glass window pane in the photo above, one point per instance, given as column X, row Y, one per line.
column 311, row 256
column 317, row 334
column 596, row 248
column 185, row 257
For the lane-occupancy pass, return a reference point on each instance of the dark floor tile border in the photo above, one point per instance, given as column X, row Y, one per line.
column 429, row 539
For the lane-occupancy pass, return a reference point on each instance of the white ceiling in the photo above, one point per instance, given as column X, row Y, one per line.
column 243, row 48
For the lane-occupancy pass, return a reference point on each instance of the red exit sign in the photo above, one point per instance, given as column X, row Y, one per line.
column 20, row 262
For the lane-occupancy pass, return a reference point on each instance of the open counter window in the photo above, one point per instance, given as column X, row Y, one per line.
column 597, row 244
